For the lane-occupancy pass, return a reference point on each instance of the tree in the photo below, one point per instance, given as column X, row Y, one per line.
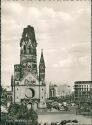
column 4, row 97
column 49, row 105
column 17, row 111
column 32, row 115
column 21, row 111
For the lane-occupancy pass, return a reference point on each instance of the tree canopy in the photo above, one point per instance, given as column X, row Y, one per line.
column 20, row 111
column 17, row 111
column 4, row 97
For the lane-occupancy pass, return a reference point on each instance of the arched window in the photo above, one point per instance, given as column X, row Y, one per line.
column 24, row 48
column 29, row 49
column 34, row 51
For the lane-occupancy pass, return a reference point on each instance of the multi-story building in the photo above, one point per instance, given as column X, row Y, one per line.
column 28, row 85
column 82, row 90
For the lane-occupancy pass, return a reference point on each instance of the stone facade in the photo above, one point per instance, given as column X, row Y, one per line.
column 26, row 83
column 82, row 91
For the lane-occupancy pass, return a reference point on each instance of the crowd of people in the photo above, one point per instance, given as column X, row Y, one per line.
column 64, row 122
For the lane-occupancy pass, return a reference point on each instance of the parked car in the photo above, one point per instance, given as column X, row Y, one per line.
column 73, row 104
column 62, row 108
column 66, row 108
column 57, row 123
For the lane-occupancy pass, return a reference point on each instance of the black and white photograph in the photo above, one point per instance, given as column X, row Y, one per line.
column 46, row 62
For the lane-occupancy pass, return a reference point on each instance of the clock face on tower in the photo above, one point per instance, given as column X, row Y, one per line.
column 30, row 93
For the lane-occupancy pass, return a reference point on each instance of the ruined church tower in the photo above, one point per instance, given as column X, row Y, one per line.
column 28, row 54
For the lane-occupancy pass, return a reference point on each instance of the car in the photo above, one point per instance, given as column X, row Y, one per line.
column 58, row 123
column 62, row 108
column 73, row 104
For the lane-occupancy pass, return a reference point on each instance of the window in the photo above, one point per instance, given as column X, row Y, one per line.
column 17, row 83
column 24, row 49
column 34, row 65
column 42, row 97
column 42, row 89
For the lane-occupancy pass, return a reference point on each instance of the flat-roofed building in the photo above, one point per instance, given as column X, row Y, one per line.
column 82, row 90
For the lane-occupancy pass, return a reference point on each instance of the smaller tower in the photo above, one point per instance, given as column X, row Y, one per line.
column 42, row 70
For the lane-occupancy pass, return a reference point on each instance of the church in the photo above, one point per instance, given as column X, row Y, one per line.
column 28, row 82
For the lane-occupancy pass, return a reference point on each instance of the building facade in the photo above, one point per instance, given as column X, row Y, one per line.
column 82, row 90
column 59, row 90
column 28, row 82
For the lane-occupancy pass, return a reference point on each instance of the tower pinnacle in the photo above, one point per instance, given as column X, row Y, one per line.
column 42, row 62
column 42, row 69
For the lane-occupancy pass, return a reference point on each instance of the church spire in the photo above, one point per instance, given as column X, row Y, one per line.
column 42, row 62
column 42, row 69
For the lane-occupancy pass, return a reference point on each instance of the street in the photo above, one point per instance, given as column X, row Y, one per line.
column 59, row 117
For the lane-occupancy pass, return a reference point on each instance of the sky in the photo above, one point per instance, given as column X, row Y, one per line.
column 62, row 30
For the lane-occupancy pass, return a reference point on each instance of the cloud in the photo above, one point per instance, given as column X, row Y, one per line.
column 11, row 8
column 64, row 36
